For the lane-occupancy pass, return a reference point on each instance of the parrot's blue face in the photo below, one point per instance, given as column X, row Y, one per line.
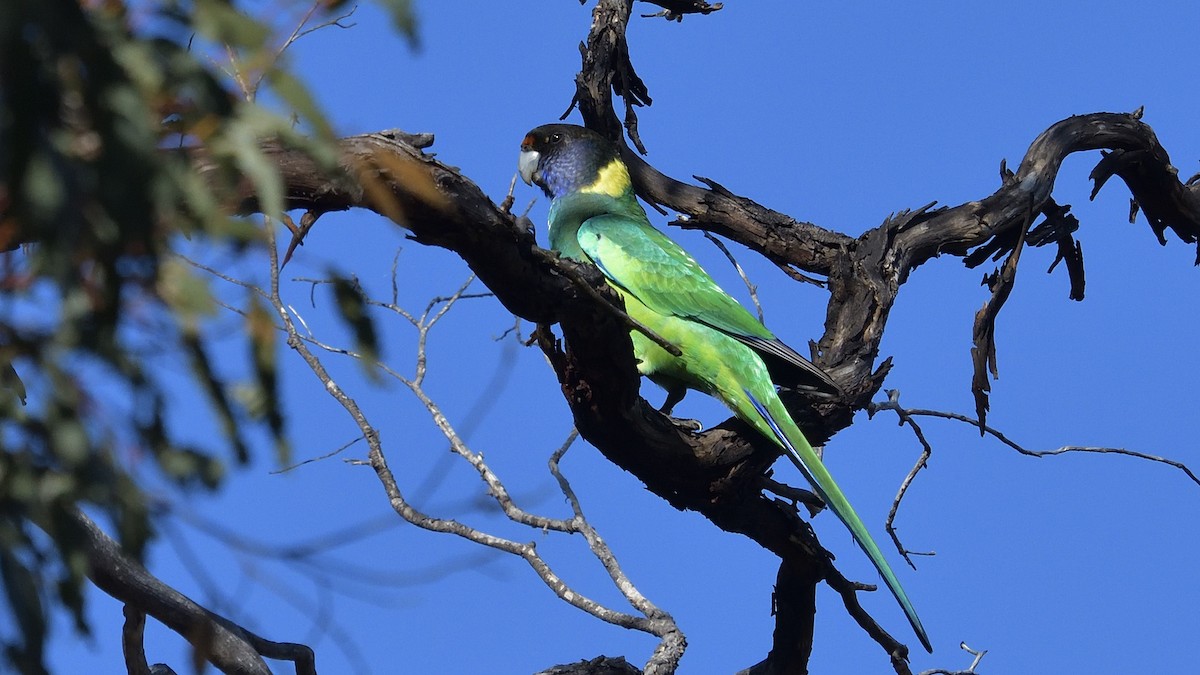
column 564, row 158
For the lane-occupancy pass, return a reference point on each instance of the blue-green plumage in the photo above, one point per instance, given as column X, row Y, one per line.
column 725, row 351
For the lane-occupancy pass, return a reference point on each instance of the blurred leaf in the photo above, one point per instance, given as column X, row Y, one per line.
column 263, row 335
column 375, row 174
column 296, row 95
column 17, row 479
column 185, row 292
column 70, row 592
column 222, row 23
column 405, row 19
column 44, row 193
column 54, row 486
column 240, row 140
column 92, row 102
column 69, row 537
column 21, row 587
column 10, row 381
column 201, row 208
column 206, row 377
column 352, row 307
column 141, row 63
column 70, row 441
column 188, row 465
column 131, row 516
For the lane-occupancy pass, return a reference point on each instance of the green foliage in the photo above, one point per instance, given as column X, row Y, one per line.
column 352, row 307
column 101, row 114
column 262, row 334
column 404, row 18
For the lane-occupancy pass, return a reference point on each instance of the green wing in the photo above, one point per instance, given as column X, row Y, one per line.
column 654, row 269
column 644, row 262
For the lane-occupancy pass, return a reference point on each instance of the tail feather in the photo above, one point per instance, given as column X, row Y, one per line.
column 805, row 458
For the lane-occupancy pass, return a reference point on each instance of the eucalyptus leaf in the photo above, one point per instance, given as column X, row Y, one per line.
column 353, row 308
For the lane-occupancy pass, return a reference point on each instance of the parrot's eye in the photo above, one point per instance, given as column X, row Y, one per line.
column 555, row 138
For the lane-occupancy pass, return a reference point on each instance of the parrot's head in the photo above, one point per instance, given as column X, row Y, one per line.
column 564, row 158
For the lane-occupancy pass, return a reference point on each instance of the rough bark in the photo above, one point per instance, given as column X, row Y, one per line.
column 215, row 639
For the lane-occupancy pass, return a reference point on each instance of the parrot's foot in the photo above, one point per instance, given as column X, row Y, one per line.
column 674, row 396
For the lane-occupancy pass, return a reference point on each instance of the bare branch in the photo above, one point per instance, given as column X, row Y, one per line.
column 983, row 353
column 670, row 649
column 332, row 453
column 897, row 652
column 654, row 622
column 675, row 10
column 906, row 416
column 970, row 669
column 226, row 645
column 921, row 463
column 741, row 273
column 807, row 498
column 132, row 636
column 998, row 435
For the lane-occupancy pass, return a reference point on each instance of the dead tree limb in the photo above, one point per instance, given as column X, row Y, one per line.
column 226, row 645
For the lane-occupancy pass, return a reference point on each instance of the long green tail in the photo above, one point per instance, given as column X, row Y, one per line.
column 802, row 454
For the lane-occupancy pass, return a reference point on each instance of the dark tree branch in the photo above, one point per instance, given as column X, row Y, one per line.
column 601, row 665
column 675, row 10
column 983, row 353
column 132, row 635
column 226, row 645
column 792, row 640
column 607, row 65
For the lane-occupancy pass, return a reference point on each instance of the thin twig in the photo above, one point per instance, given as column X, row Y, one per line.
column 670, row 649
column 921, row 463
column 327, row 455
column 906, row 416
column 970, row 669
column 496, row 488
column 741, row 272
column 998, row 435
column 225, row 277
column 300, row 31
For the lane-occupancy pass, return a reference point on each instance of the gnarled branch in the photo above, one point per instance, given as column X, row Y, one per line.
column 226, row 645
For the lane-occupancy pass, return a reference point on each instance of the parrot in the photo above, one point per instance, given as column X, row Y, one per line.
column 725, row 351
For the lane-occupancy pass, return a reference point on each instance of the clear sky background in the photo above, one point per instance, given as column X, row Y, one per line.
column 836, row 113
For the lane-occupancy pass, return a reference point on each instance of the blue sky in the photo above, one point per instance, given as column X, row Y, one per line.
column 833, row 114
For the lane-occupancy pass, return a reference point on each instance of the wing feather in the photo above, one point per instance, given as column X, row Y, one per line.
column 649, row 265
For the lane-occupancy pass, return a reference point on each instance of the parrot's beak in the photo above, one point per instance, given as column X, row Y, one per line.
column 527, row 165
